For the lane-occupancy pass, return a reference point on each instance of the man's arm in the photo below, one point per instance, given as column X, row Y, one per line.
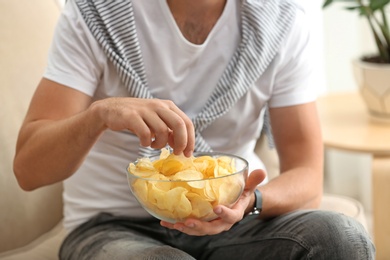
column 297, row 135
column 56, row 134
column 62, row 125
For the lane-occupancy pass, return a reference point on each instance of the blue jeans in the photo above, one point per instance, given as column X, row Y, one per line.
column 298, row 235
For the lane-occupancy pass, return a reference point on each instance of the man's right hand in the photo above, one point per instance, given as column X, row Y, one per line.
column 156, row 122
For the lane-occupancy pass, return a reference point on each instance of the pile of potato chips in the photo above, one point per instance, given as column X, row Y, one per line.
column 175, row 187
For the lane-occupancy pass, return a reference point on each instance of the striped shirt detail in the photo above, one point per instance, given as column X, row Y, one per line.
column 264, row 26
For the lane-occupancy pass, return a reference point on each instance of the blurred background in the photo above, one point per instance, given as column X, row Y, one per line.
column 342, row 36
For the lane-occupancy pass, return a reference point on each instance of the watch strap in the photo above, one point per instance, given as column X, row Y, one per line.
column 258, row 200
column 257, row 208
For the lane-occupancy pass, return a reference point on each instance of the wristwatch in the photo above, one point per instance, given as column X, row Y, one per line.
column 256, row 209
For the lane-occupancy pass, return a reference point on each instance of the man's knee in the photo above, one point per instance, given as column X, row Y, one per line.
column 337, row 236
column 132, row 250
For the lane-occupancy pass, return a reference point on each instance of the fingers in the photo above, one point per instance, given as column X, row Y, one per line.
column 156, row 122
column 254, row 179
column 180, row 134
column 142, row 130
column 176, row 142
column 158, row 131
column 195, row 227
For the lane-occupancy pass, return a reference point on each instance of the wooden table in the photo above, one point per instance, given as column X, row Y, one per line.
column 346, row 125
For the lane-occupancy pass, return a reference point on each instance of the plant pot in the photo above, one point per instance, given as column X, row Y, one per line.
column 373, row 80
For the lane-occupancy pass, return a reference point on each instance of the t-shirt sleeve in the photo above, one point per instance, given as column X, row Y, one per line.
column 75, row 58
column 294, row 81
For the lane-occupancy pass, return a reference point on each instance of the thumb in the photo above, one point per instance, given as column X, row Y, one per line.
column 254, row 179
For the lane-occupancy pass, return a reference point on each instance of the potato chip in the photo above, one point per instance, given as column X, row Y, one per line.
column 144, row 168
column 176, row 187
column 164, row 153
column 163, row 183
column 157, row 196
column 191, row 176
column 176, row 201
column 208, row 192
column 229, row 191
column 200, row 207
column 171, row 166
column 206, row 165
column 140, row 186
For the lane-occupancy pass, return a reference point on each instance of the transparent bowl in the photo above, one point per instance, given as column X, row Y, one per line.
column 177, row 200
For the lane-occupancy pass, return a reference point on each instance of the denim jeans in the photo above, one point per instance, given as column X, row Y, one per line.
column 297, row 235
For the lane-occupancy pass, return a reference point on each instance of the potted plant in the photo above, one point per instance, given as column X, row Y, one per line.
column 372, row 72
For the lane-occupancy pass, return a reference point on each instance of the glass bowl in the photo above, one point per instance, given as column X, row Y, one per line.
column 183, row 194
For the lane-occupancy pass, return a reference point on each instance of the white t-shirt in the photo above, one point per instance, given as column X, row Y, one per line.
column 177, row 70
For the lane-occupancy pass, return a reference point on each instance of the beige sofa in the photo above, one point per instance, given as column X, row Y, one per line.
column 26, row 29
column 30, row 222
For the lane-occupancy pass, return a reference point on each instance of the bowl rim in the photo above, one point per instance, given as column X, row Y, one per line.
column 243, row 170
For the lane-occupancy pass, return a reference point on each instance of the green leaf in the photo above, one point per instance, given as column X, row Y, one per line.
column 378, row 4
column 353, row 8
column 329, row 2
column 385, row 22
column 364, row 11
column 326, row 3
column 361, row 9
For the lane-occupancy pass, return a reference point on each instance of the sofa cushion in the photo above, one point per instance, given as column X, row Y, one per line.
column 26, row 31
column 45, row 247
column 346, row 205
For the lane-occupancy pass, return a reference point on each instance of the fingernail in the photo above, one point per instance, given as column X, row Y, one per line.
column 218, row 211
column 191, row 225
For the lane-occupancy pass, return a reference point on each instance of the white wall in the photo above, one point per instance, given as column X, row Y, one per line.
column 346, row 37
column 61, row 2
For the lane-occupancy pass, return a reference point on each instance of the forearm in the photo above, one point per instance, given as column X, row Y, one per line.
column 49, row 151
column 298, row 141
column 300, row 188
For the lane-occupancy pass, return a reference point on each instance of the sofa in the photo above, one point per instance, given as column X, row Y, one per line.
column 26, row 29
column 30, row 222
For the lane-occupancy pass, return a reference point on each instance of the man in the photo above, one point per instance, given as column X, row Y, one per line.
column 196, row 75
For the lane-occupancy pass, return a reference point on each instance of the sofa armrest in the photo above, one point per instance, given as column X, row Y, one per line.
column 44, row 247
column 331, row 202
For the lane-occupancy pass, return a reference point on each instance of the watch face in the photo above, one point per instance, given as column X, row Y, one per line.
column 254, row 212
column 250, row 216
